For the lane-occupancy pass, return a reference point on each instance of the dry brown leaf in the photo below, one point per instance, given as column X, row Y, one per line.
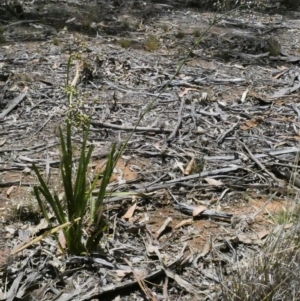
column 140, row 273
column 249, row 124
column 206, row 248
column 197, row 62
column 2, row 142
column 244, row 127
column 9, row 190
column 130, row 212
column 62, row 239
column 288, row 226
column 250, row 239
column 180, row 166
column 244, row 95
column 122, row 273
column 199, row 209
column 263, row 234
column 184, row 223
column 41, row 226
column 189, row 167
column 213, row 182
column 164, row 226
column 185, row 91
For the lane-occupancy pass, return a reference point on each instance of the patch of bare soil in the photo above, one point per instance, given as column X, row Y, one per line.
column 215, row 160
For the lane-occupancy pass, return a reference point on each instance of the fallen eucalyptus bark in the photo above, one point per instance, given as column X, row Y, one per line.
column 206, row 174
column 15, row 102
column 289, row 177
column 188, row 209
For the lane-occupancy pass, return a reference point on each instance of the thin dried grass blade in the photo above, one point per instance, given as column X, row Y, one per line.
column 39, row 238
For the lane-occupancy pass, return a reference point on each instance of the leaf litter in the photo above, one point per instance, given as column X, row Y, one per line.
column 202, row 164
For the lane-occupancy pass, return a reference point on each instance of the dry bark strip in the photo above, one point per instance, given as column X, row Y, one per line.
column 130, row 128
column 178, row 124
column 13, row 104
column 188, row 209
column 205, row 174
column 145, row 190
column 222, row 137
column 257, row 161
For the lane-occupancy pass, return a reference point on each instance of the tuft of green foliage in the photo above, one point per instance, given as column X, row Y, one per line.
column 55, row 42
column 285, row 216
column 125, row 43
column 77, row 197
column 196, row 33
column 180, row 35
column 78, row 201
column 151, row 43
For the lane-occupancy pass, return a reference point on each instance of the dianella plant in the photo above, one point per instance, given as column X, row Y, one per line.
column 82, row 234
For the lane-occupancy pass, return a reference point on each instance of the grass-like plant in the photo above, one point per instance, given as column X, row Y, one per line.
column 71, row 212
column 271, row 275
column 77, row 196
